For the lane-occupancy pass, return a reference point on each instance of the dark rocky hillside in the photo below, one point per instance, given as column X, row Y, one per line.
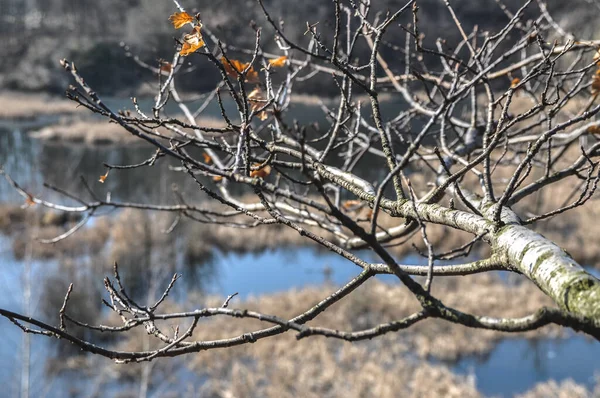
column 37, row 33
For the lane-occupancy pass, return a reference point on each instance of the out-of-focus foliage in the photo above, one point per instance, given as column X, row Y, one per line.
column 37, row 33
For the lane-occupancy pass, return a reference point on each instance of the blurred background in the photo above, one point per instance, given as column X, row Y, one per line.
column 45, row 139
column 37, row 33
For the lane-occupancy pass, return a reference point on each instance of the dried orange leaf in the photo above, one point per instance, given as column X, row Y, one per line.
column 166, row 67
column 596, row 83
column 263, row 172
column 217, row 178
column 179, row 19
column 103, row 177
column 252, row 76
column 278, row 62
column 207, row 158
column 29, row 201
column 192, row 42
column 595, row 129
column 255, row 94
column 514, row 82
column 256, row 101
column 348, row 204
column 234, row 68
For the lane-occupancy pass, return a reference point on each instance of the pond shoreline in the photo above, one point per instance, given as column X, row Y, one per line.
column 274, row 281
column 54, row 118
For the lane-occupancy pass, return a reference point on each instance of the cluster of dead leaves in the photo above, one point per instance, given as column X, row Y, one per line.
column 193, row 41
column 234, row 68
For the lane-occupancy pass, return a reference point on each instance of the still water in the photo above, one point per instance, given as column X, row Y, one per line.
column 514, row 366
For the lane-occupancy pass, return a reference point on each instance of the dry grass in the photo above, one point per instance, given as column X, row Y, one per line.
column 101, row 131
column 27, row 225
column 12, row 216
column 575, row 230
column 379, row 302
column 135, row 236
column 131, row 227
column 319, row 370
column 88, row 242
column 565, row 389
column 318, row 367
column 316, row 100
column 522, row 103
column 75, row 125
column 21, row 106
column 86, row 132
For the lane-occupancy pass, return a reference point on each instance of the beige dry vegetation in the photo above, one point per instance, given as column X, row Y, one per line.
column 575, row 230
column 73, row 125
column 319, row 367
column 22, row 106
column 565, row 389
column 130, row 228
column 11, row 217
column 48, row 225
column 316, row 100
column 102, row 132
column 89, row 132
column 25, row 224
column 378, row 302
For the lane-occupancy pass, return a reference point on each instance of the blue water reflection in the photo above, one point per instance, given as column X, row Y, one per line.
column 278, row 270
column 516, row 365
